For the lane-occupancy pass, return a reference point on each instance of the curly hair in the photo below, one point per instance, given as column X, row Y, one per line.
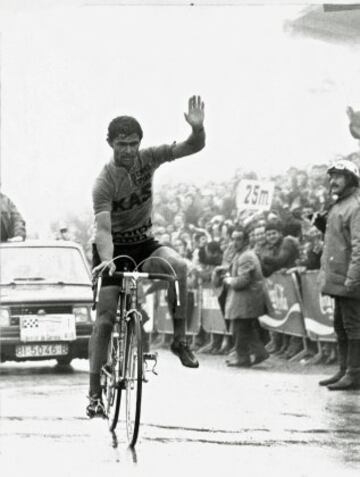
column 126, row 125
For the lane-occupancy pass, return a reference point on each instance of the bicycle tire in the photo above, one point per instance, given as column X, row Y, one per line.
column 111, row 392
column 133, row 378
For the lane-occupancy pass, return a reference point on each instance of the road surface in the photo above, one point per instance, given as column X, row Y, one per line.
column 271, row 420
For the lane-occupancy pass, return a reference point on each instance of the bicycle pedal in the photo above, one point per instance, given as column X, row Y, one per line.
column 150, row 356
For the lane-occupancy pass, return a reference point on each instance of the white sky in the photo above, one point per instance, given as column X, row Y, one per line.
column 272, row 101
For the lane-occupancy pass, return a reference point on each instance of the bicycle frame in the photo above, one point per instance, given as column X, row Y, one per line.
column 125, row 371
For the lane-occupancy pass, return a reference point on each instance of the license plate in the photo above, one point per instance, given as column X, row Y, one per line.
column 47, row 328
column 39, row 350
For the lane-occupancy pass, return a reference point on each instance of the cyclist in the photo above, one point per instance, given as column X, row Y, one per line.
column 122, row 202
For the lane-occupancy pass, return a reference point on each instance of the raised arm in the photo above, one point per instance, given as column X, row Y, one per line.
column 196, row 141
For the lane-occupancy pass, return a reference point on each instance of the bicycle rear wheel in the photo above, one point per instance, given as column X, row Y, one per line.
column 133, row 378
column 111, row 388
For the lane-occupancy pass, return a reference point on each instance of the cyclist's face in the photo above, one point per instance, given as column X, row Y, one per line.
column 125, row 149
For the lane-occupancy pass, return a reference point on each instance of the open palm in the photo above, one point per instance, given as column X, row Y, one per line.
column 195, row 114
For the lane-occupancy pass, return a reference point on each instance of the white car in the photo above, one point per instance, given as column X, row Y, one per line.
column 45, row 301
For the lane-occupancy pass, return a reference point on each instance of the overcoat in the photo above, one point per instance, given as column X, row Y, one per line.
column 245, row 294
column 340, row 261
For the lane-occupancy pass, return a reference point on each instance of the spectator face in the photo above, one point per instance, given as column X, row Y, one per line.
column 307, row 212
column 165, row 238
column 160, row 230
column 180, row 247
column 259, row 235
column 186, row 237
column 272, row 236
column 338, row 183
column 301, row 179
column 215, row 230
column 173, row 206
column 238, row 240
column 224, row 231
column 203, row 241
column 179, row 221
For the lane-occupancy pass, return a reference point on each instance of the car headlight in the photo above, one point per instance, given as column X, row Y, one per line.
column 4, row 317
column 82, row 314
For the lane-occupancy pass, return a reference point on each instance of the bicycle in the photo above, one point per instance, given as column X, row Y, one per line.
column 124, row 369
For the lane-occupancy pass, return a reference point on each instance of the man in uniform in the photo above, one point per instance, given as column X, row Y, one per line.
column 340, row 271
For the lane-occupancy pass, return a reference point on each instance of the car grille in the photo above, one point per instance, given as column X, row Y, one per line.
column 33, row 310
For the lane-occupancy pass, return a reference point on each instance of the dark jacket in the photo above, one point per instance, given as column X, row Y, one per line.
column 245, row 294
column 12, row 223
column 340, row 261
column 281, row 255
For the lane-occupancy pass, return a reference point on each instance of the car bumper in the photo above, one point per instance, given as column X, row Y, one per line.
column 10, row 338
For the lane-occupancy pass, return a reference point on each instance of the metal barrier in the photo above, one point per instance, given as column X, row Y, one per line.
column 284, row 305
column 318, row 309
column 212, row 319
column 295, row 307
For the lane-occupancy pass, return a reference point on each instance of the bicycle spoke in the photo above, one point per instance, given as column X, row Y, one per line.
column 110, row 383
column 133, row 379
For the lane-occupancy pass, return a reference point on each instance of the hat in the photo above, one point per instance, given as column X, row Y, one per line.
column 274, row 225
column 344, row 165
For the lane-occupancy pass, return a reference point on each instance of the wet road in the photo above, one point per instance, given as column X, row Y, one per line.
column 270, row 420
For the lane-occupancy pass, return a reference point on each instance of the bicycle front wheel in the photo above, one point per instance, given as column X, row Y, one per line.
column 133, row 378
column 111, row 388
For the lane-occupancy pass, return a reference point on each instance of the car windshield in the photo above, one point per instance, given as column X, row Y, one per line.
column 42, row 265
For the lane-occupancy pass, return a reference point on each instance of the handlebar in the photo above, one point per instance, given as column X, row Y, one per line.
column 151, row 276
column 136, row 276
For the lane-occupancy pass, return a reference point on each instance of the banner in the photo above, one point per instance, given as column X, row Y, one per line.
column 284, row 306
column 318, row 309
column 254, row 195
column 211, row 317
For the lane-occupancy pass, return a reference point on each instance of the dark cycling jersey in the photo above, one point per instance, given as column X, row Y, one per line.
column 127, row 195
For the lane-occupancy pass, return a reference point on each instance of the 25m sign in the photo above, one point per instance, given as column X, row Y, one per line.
column 254, row 195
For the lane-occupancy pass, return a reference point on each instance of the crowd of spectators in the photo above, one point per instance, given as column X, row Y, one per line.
column 198, row 222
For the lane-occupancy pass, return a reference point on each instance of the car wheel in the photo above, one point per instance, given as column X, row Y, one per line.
column 64, row 360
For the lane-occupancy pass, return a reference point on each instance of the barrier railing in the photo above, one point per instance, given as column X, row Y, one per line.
column 295, row 307
column 212, row 319
column 318, row 309
column 284, row 305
